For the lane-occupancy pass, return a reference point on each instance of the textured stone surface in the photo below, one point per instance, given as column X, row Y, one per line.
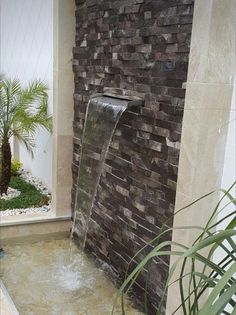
column 142, row 46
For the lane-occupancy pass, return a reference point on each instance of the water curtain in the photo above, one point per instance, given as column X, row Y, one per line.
column 102, row 116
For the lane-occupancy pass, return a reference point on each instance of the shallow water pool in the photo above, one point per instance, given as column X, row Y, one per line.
column 53, row 277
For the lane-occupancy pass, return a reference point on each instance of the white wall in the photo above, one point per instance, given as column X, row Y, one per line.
column 229, row 176
column 229, row 173
column 27, row 53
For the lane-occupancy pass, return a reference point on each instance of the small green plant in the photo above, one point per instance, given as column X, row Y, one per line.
column 15, row 167
column 29, row 197
column 209, row 288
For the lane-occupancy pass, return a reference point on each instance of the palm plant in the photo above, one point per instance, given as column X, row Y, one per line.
column 206, row 287
column 22, row 112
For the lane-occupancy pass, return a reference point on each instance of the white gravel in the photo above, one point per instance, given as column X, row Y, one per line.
column 28, row 177
column 12, row 193
column 24, row 211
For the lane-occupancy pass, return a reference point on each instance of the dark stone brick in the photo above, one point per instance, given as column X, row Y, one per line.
column 142, row 46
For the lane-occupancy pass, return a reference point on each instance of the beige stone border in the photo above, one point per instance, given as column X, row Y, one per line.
column 59, row 218
column 206, row 116
column 63, row 90
column 33, row 224
column 63, row 105
column 7, row 307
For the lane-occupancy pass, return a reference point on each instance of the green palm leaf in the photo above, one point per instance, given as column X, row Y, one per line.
column 22, row 112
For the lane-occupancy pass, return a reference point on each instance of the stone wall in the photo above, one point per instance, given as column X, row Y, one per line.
column 142, row 46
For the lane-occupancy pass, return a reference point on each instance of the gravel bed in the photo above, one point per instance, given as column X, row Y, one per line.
column 28, row 177
column 12, row 212
column 12, row 193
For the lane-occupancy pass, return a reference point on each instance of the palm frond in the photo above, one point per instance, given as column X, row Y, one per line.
column 26, row 140
column 23, row 110
column 32, row 96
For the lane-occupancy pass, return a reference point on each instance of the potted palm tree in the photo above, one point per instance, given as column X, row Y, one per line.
column 22, row 112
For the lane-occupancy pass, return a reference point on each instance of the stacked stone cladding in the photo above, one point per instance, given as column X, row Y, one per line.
column 141, row 46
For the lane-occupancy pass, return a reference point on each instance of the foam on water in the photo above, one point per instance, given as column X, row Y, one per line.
column 53, row 277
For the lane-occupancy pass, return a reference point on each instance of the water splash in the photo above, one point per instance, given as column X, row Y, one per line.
column 102, row 116
column 52, row 276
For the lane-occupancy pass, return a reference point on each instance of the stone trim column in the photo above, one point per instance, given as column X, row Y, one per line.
column 64, row 37
column 206, row 116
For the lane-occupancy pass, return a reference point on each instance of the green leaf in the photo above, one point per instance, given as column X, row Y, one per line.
column 217, row 290
column 23, row 111
column 218, row 277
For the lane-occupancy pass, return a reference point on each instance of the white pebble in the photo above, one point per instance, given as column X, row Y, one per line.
column 13, row 193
